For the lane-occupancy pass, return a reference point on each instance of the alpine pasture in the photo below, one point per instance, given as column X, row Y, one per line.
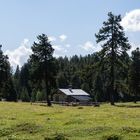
column 24, row 121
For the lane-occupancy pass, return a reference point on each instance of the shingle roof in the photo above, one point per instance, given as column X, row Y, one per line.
column 74, row 92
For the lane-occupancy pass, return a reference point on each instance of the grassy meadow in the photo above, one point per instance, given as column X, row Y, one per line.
column 23, row 121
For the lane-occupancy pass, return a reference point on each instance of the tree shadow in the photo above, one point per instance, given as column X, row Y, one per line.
column 128, row 106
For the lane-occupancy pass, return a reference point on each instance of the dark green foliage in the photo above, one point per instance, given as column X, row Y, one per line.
column 9, row 91
column 7, row 88
column 16, row 80
column 42, row 63
column 98, row 92
column 85, row 87
column 134, row 74
column 33, row 95
column 114, row 47
column 24, row 95
column 93, row 77
column 25, row 78
column 4, row 68
column 108, row 75
column 40, row 96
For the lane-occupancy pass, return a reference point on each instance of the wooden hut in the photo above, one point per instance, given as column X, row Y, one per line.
column 71, row 95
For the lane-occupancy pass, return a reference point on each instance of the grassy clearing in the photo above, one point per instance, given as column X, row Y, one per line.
column 22, row 121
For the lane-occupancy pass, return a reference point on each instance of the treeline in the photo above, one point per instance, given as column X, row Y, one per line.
column 108, row 75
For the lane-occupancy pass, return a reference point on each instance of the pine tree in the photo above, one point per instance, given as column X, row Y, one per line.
column 41, row 61
column 134, row 74
column 4, row 67
column 6, row 82
column 114, row 44
column 24, row 95
column 17, row 82
column 25, row 78
column 9, row 90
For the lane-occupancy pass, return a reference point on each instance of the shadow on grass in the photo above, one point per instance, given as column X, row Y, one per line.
column 128, row 106
column 112, row 137
column 57, row 137
column 41, row 104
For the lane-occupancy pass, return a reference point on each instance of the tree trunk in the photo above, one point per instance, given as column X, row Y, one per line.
column 112, row 91
column 112, row 98
column 112, row 86
column 47, row 94
column 47, row 86
column 135, row 101
column 48, row 101
column 135, row 98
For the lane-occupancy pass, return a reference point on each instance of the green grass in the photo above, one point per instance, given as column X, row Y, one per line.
column 22, row 121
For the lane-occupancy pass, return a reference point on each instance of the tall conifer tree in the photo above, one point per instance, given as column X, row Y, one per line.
column 114, row 44
column 41, row 61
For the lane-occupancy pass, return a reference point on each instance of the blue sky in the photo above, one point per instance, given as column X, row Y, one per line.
column 70, row 24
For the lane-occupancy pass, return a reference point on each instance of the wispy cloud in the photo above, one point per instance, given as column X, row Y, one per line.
column 62, row 37
column 58, row 47
column 52, row 38
column 131, row 20
column 60, row 50
column 90, row 47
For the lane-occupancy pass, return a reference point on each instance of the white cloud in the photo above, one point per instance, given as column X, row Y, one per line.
column 89, row 46
column 131, row 20
column 68, row 45
column 57, row 47
column 19, row 55
column 52, row 38
column 62, row 37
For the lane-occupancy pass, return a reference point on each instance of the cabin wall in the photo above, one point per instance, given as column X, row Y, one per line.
column 63, row 98
column 59, row 98
column 70, row 99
